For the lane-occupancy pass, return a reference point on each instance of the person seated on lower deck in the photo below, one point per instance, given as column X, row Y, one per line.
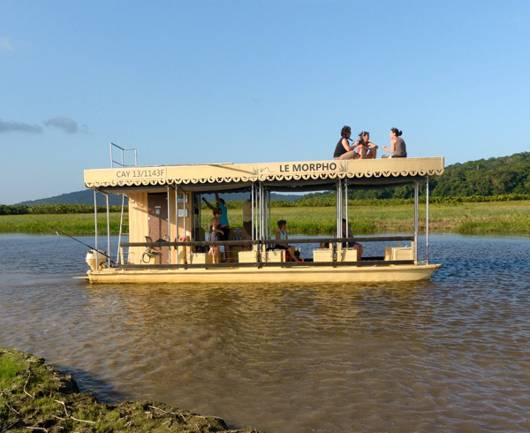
column 291, row 255
column 364, row 147
column 346, row 233
column 397, row 148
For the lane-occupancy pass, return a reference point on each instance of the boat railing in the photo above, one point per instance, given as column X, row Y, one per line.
column 122, row 153
column 333, row 243
column 369, row 262
column 249, row 242
column 267, row 242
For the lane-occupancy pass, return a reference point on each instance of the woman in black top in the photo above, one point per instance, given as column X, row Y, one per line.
column 343, row 150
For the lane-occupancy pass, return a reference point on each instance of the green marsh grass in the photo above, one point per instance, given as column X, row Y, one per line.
column 74, row 224
column 489, row 218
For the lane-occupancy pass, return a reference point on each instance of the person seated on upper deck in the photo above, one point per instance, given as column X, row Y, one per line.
column 281, row 235
column 364, row 147
column 343, row 149
column 346, row 233
column 223, row 215
column 397, row 148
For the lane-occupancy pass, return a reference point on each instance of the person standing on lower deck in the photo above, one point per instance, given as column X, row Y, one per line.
column 223, row 214
column 224, row 226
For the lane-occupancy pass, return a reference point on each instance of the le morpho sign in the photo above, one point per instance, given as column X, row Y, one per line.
column 304, row 167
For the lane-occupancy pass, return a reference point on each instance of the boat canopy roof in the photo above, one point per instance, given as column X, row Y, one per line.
column 370, row 171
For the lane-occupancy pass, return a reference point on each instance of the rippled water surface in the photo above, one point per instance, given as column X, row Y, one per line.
column 451, row 355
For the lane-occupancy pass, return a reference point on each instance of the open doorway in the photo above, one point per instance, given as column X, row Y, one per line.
column 157, row 208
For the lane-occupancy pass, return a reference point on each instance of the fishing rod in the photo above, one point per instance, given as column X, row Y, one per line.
column 58, row 233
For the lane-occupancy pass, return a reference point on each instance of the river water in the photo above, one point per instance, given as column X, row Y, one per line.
column 451, row 355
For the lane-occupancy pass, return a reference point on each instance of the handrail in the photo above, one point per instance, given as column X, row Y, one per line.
column 123, row 150
column 361, row 263
column 248, row 242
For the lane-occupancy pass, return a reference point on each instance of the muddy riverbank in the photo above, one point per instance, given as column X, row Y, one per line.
column 35, row 396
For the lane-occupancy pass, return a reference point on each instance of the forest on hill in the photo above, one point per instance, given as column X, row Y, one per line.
column 486, row 177
column 502, row 178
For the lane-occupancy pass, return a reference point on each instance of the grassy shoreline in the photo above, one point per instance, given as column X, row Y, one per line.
column 34, row 396
column 479, row 218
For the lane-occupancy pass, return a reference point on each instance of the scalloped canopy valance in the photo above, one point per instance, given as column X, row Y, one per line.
column 265, row 172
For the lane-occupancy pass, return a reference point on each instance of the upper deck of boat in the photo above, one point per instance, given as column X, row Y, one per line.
column 366, row 171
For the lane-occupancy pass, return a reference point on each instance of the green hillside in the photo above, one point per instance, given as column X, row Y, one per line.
column 86, row 197
column 486, row 177
column 506, row 177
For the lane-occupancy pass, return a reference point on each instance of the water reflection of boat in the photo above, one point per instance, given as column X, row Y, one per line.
column 166, row 242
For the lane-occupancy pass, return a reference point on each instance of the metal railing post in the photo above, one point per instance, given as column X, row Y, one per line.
column 177, row 219
column 185, row 223
column 119, row 257
column 96, row 225
column 346, row 208
column 108, row 227
column 261, row 212
column 268, row 214
column 168, row 216
column 416, row 220
column 110, row 155
column 253, row 205
column 427, row 220
column 337, row 209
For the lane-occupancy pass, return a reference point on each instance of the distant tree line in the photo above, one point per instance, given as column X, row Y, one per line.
column 494, row 179
column 21, row 209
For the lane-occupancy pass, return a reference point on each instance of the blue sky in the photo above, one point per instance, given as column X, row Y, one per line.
column 250, row 80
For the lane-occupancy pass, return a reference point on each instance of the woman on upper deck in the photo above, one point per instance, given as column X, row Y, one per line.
column 364, row 147
column 397, row 148
column 343, row 149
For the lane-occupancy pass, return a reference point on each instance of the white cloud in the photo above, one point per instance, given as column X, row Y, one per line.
column 6, row 45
